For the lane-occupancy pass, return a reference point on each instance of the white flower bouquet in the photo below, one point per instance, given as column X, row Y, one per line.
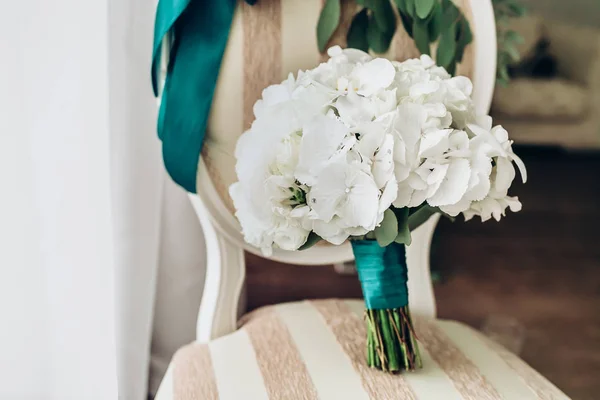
column 367, row 149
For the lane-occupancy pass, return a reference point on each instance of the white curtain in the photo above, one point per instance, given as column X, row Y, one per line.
column 81, row 200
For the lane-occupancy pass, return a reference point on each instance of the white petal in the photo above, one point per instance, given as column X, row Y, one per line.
column 290, row 237
column 424, row 88
column 416, row 182
column 438, row 174
column 521, row 166
column 455, row 209
column 408, row 124
column 418, row 198
column 321, row 138
column 389, row 195
column 505, row 174
column 454, row 185
column 328, row 191
column 404, row 195
column 383, row 165
column 354, row 109
column 362, row 202
column 462, row 83
column 330, row 231
column 374, row 75
column 434, row 143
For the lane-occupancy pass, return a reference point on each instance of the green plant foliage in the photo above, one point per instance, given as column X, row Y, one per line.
column 403, row 236
column 418, row 216
column 387, row 231
column 446, row 51
column 378, row 40
column 328, row 22
column 357, row 34
column 435, row 22
column 313, row 239
column 384, row 15
column 420, row 34
column 424, row 7
column 504, row 10
column 426, row 21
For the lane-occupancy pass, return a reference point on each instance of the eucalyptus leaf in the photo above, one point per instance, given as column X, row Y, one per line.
column 518, row 10
column 451, row 69
column 421, row 36
column 514, row 37
column 447, row 47
column 379, row 41
column 384, row 15
column 406, row 23
column 328, row 22
column 403, row 236
column 357, row 34
column 410, row 8
column 465, row 36
column 512, row 51
column 386, row 232
column 450, row 14
column 424, row 7
column 401, row 4
column 312, row 239
column 435, row 22
column 420, row 216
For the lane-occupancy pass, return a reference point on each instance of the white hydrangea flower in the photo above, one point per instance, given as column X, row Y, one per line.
column 333, row 149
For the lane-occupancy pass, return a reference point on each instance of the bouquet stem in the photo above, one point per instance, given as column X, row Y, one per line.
column 391, row 340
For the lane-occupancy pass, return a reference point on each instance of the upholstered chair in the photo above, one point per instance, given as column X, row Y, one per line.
column 315, row 349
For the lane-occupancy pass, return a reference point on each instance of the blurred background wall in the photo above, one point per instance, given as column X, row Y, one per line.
column 585, row 12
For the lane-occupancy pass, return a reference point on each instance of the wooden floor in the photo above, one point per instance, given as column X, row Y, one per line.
column 540, row 266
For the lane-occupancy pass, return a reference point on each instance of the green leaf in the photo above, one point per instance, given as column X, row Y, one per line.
column 447, row 47
column 420, row 216
column 410, row 8
column 401, row 4
column 503, row 73
column 424, row 7
column 384, row 15
column 514, row 37
column 378, row 40
column 421, row 36
column 403, row 236
column 450, row 14
column 312, row 239
column 386, row 232
column 465, row 36
column 517, row 10
column 451, row 69
column 406, row 23
column 357, row 34
column 435, row 22
column 328, row 22
column 512, row 52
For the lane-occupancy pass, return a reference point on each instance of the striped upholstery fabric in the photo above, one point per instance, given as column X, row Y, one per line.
column 267, row 42
column 315, row 350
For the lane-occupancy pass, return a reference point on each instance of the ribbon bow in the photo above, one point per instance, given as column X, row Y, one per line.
column 197, row 31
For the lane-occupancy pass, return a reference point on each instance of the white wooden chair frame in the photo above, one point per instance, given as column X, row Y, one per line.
column 225, row 268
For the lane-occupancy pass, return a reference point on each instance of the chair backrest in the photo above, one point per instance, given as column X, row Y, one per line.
column 267, row 41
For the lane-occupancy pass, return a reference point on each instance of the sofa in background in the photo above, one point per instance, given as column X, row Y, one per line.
column 558, row 106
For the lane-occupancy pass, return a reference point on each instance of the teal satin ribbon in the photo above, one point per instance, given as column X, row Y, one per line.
column 198, row 30
column 383, row 274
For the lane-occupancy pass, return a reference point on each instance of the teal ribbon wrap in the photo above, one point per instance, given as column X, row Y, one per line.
column 383, row 274
column 198, row 31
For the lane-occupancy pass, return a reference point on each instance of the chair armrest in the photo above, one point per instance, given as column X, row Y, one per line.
column 577, row 51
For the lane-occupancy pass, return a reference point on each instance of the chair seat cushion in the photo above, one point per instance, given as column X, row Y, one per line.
column 316, row 350
column 554, row 99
